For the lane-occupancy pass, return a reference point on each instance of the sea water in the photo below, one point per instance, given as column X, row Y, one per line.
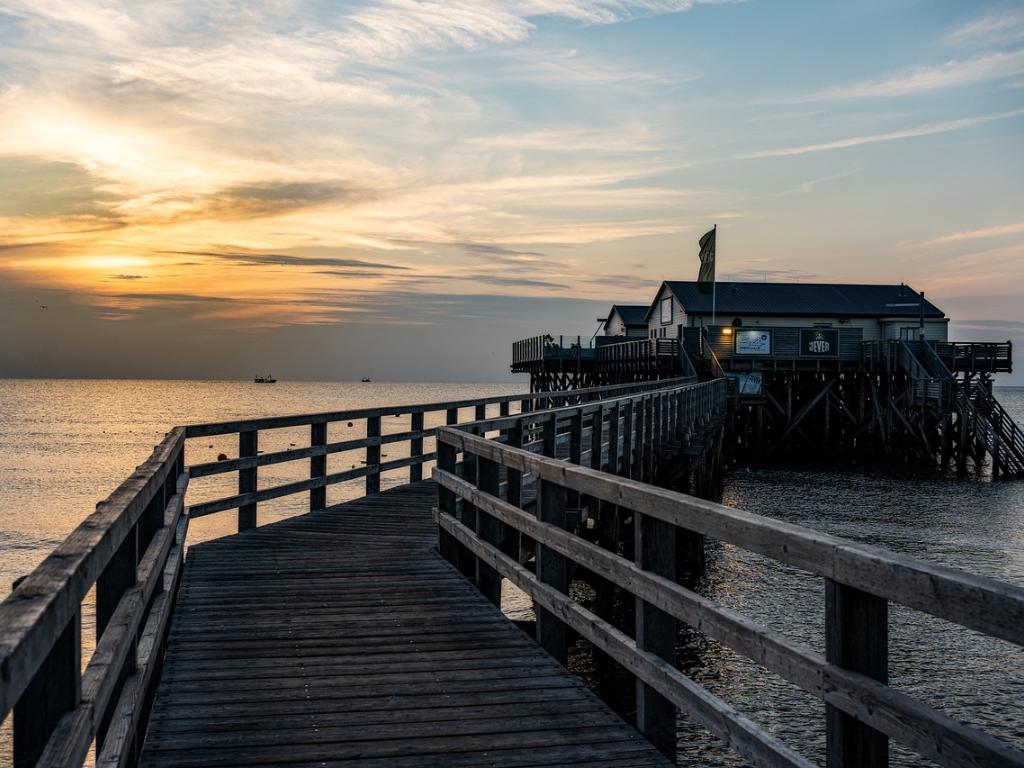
column 66, row 444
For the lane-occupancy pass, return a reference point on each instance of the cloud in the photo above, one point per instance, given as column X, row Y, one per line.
column 286, row 260
column 976, row 234
column 988, row 66
column 1004, row 26
column 856, row 141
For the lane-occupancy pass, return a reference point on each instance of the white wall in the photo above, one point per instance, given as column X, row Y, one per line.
column 654, row 326
column 615, row 326
column 873, row 329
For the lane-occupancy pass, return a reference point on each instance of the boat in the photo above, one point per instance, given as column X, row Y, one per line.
column 268, row 379
column 366, row 379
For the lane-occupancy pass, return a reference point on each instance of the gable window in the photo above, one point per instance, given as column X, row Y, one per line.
column 666, row 310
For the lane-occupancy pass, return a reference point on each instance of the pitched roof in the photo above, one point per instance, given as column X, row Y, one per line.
column 803, row 299
column 631, row 314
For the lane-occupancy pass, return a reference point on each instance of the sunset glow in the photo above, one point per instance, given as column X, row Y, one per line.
column 296, row 172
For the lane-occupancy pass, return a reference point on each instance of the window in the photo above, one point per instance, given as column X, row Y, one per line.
column 666, row 310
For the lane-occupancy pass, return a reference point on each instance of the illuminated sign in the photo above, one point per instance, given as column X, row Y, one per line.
column 752, row 342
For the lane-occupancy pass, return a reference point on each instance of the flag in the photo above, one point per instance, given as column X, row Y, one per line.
column 706, row 276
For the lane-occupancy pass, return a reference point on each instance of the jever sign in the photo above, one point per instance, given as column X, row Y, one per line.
column 819, row 342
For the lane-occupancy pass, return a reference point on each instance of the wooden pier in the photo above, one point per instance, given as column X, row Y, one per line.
column 369, row 633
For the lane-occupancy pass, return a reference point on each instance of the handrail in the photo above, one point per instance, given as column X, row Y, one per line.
column 860, row 580
column 250, row 459
column 130, row 548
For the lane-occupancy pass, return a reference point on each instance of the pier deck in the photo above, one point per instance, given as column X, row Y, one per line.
column 368, row 633
column 342, row 638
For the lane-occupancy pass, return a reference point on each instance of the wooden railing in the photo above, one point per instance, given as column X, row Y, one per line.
column 130, row 550
column 539, row 348
column 973, row 356
column 369, row 422
column 477, row 512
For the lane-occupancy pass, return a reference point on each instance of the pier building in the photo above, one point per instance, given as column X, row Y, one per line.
column 815, row 369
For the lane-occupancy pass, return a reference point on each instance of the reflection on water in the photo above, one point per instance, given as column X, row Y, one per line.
column 975, row 526
column 65, row 444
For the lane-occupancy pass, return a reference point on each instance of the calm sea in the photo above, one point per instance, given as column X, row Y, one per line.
column 65, row 444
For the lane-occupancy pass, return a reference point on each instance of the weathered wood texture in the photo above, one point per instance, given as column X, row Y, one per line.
column 250, row 458
column 130, row 548
column 341, row 638
column 862, row 711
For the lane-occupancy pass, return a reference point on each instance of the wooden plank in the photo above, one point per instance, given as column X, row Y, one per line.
column 248, row 445
column 379, row 652
column 54, row 690
column 318, row 465
column 924, row 729
column 977, row 602
column 490, row 529
column 740, row 733
column 305, row 452
column 655, row 544
column 372, row 455
column 35, row 614
column 856, row 638
column 416, row 447
column 552, row 569
column 287, row 489
column 301, row 420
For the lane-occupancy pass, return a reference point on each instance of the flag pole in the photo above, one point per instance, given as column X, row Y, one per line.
column 714, row 279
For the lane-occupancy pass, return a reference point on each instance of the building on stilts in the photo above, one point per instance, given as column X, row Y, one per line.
column 815, row 370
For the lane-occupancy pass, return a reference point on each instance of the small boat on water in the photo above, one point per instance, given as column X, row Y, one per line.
column 268, row 379
column 366, row 379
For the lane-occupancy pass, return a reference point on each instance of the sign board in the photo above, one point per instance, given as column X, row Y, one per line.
column 750, row 383
column 666, row 310
column 819, row 342
column 752, row 342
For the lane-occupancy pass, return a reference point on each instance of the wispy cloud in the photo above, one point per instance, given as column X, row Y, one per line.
column 988, row 66
column 999, row 230
column 1001, row 27
column 856, row 141
column 286, row 260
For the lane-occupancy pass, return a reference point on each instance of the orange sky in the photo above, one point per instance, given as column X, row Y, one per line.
column 291, row 172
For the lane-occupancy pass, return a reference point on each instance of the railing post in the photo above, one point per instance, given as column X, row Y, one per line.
column 55, row 688
column 512, row 539
column 626, row 457
column 318, row 465
column 248, row 447
column 373, row 455
column 118, row 576
column 514, row 479
column 552, row 569
column 655, row 551
column 416, row 448
column 856, row 638
column 488, row 580
column 613, row 439
column 446, row 502
column 468, row 514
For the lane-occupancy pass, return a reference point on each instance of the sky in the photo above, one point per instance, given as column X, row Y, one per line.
column 401, row 188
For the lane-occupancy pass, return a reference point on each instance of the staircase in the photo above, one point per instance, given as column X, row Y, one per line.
column 994, row 428
column 981, row 421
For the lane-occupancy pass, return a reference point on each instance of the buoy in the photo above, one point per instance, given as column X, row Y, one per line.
column 222, row 457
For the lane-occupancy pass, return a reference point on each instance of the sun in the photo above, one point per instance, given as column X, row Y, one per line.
column 111, row 262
